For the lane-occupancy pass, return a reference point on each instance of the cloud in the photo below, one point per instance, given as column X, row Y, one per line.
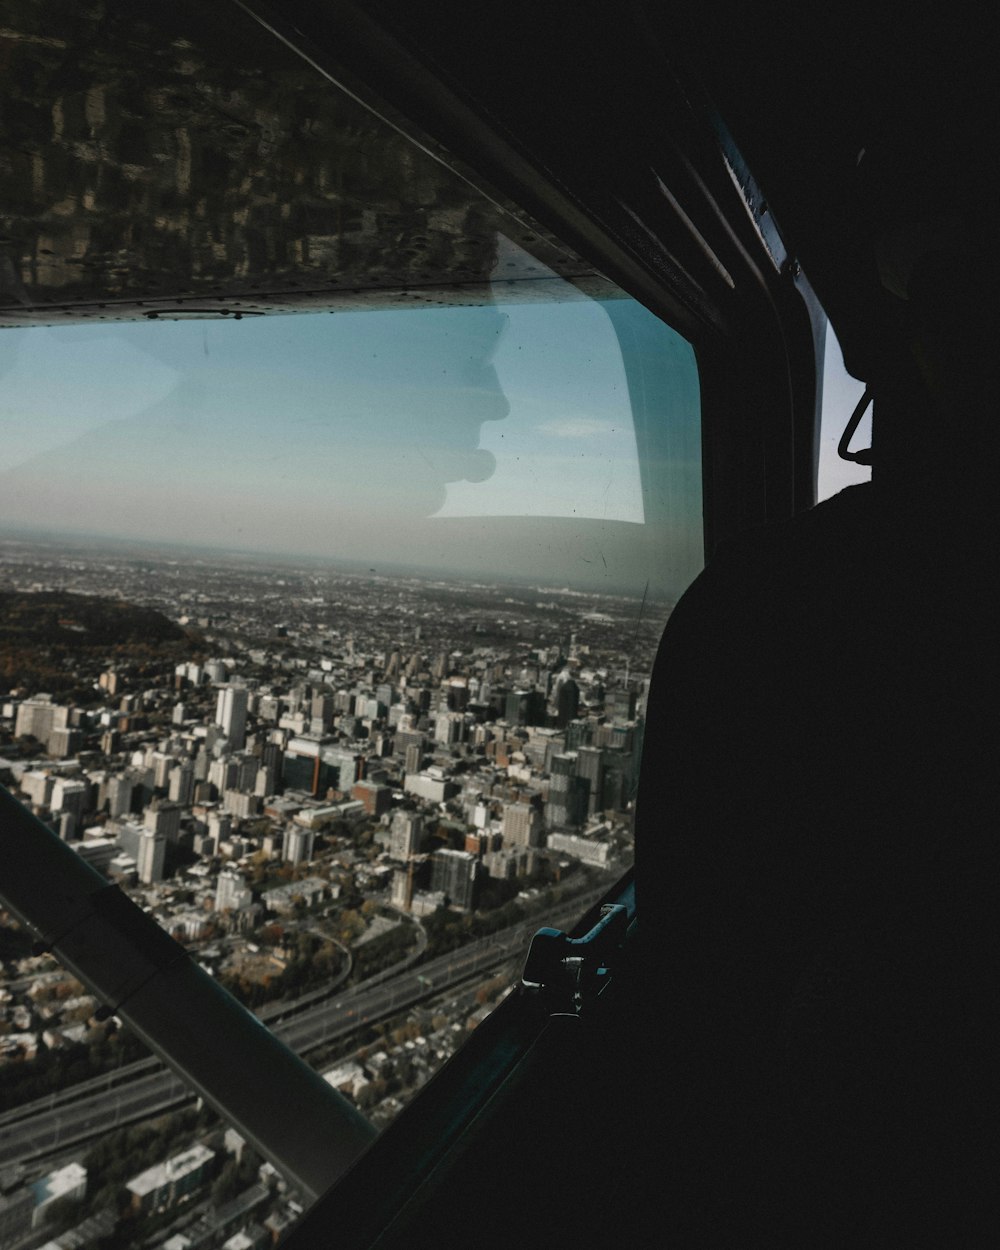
column 577, row 427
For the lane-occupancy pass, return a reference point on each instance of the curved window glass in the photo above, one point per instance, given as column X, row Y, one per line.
column 326, row 635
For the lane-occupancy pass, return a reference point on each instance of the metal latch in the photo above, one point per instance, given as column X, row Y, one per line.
column 568, row 974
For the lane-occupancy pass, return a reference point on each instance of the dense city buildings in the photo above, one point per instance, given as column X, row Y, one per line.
column 302, row 782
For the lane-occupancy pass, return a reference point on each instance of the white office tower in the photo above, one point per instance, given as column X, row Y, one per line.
column 242, row 806
column 37, row 717
column 180, row 785
column 321, row 712
column 152, row 852
column 231, row 714
column 522, row 825
column 37, row 786
column 299, row 845
column 119, row 796
column 224, row 773
column 162, row 763
column 164, row 819
column 70, row 794
column 449, row 728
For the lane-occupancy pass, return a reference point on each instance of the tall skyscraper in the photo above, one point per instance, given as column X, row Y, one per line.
column 522, row 825
column 164, row 819
column 449, row 728
column 71, row 794
column 119, row 792
column 590, row 764
column 231, row 714
column 405, row 833
column 180, row 784
column 152, row 852
column 567, row 702
column 455, row 874
column 298, row 845
column 321, row 712
column 568, row 794
column 525, row 707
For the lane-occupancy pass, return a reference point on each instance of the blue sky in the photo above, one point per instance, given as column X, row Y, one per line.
column 390, row 435
column 394, row 436
column 841, row 394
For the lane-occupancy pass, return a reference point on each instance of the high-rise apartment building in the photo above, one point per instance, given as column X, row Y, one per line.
column 164, row 819
column 65, row 743
column 38, row 717
column 522, row 825
column 321, row 712
column 590, row 765
column 567, row 701
column 223, row 773
column 405, row 833
column 71, row 795
column 449, row 728
column 151, row 855
column 119, row 792
column 180, row 785
column 231, row 714
column 162, row 762
column 568, row 794
column 455, row 874
column 299, row 844
column 231, row 892
column 525, row 707
column 37, row 786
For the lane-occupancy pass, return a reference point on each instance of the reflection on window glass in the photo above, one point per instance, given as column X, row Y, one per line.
column 327, row 639
column 326, row 635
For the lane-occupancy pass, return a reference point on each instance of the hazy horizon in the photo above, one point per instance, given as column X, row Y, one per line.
column 495, row 439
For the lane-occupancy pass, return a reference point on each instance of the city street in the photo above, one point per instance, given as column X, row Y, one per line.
column 145, row 1088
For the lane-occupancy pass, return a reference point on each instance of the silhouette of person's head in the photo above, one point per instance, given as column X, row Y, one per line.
column 928, row 206
column 267, row 432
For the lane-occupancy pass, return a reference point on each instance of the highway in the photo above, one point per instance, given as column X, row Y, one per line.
column 145, row 1088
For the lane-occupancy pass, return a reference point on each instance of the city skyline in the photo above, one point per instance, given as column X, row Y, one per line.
column 313, row 781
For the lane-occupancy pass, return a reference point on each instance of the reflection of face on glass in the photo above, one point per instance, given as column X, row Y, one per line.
column 427, row 409
column 266, row 427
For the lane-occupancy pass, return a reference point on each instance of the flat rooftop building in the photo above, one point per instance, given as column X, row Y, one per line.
column 166, row 1183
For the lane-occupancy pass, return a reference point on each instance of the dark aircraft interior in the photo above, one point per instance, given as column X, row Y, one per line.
column 775, row 1031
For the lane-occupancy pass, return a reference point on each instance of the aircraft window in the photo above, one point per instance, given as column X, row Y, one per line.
column 327, row 634
column 407, row 591
column 841, row 394
column 409, row 569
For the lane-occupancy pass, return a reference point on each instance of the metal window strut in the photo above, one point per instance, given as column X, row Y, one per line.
column 864, row 456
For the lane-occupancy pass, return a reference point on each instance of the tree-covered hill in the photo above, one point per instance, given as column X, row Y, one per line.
column 52, row 641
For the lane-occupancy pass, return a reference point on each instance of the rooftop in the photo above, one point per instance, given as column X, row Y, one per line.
column 62, row 1181
column 173, row 1169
